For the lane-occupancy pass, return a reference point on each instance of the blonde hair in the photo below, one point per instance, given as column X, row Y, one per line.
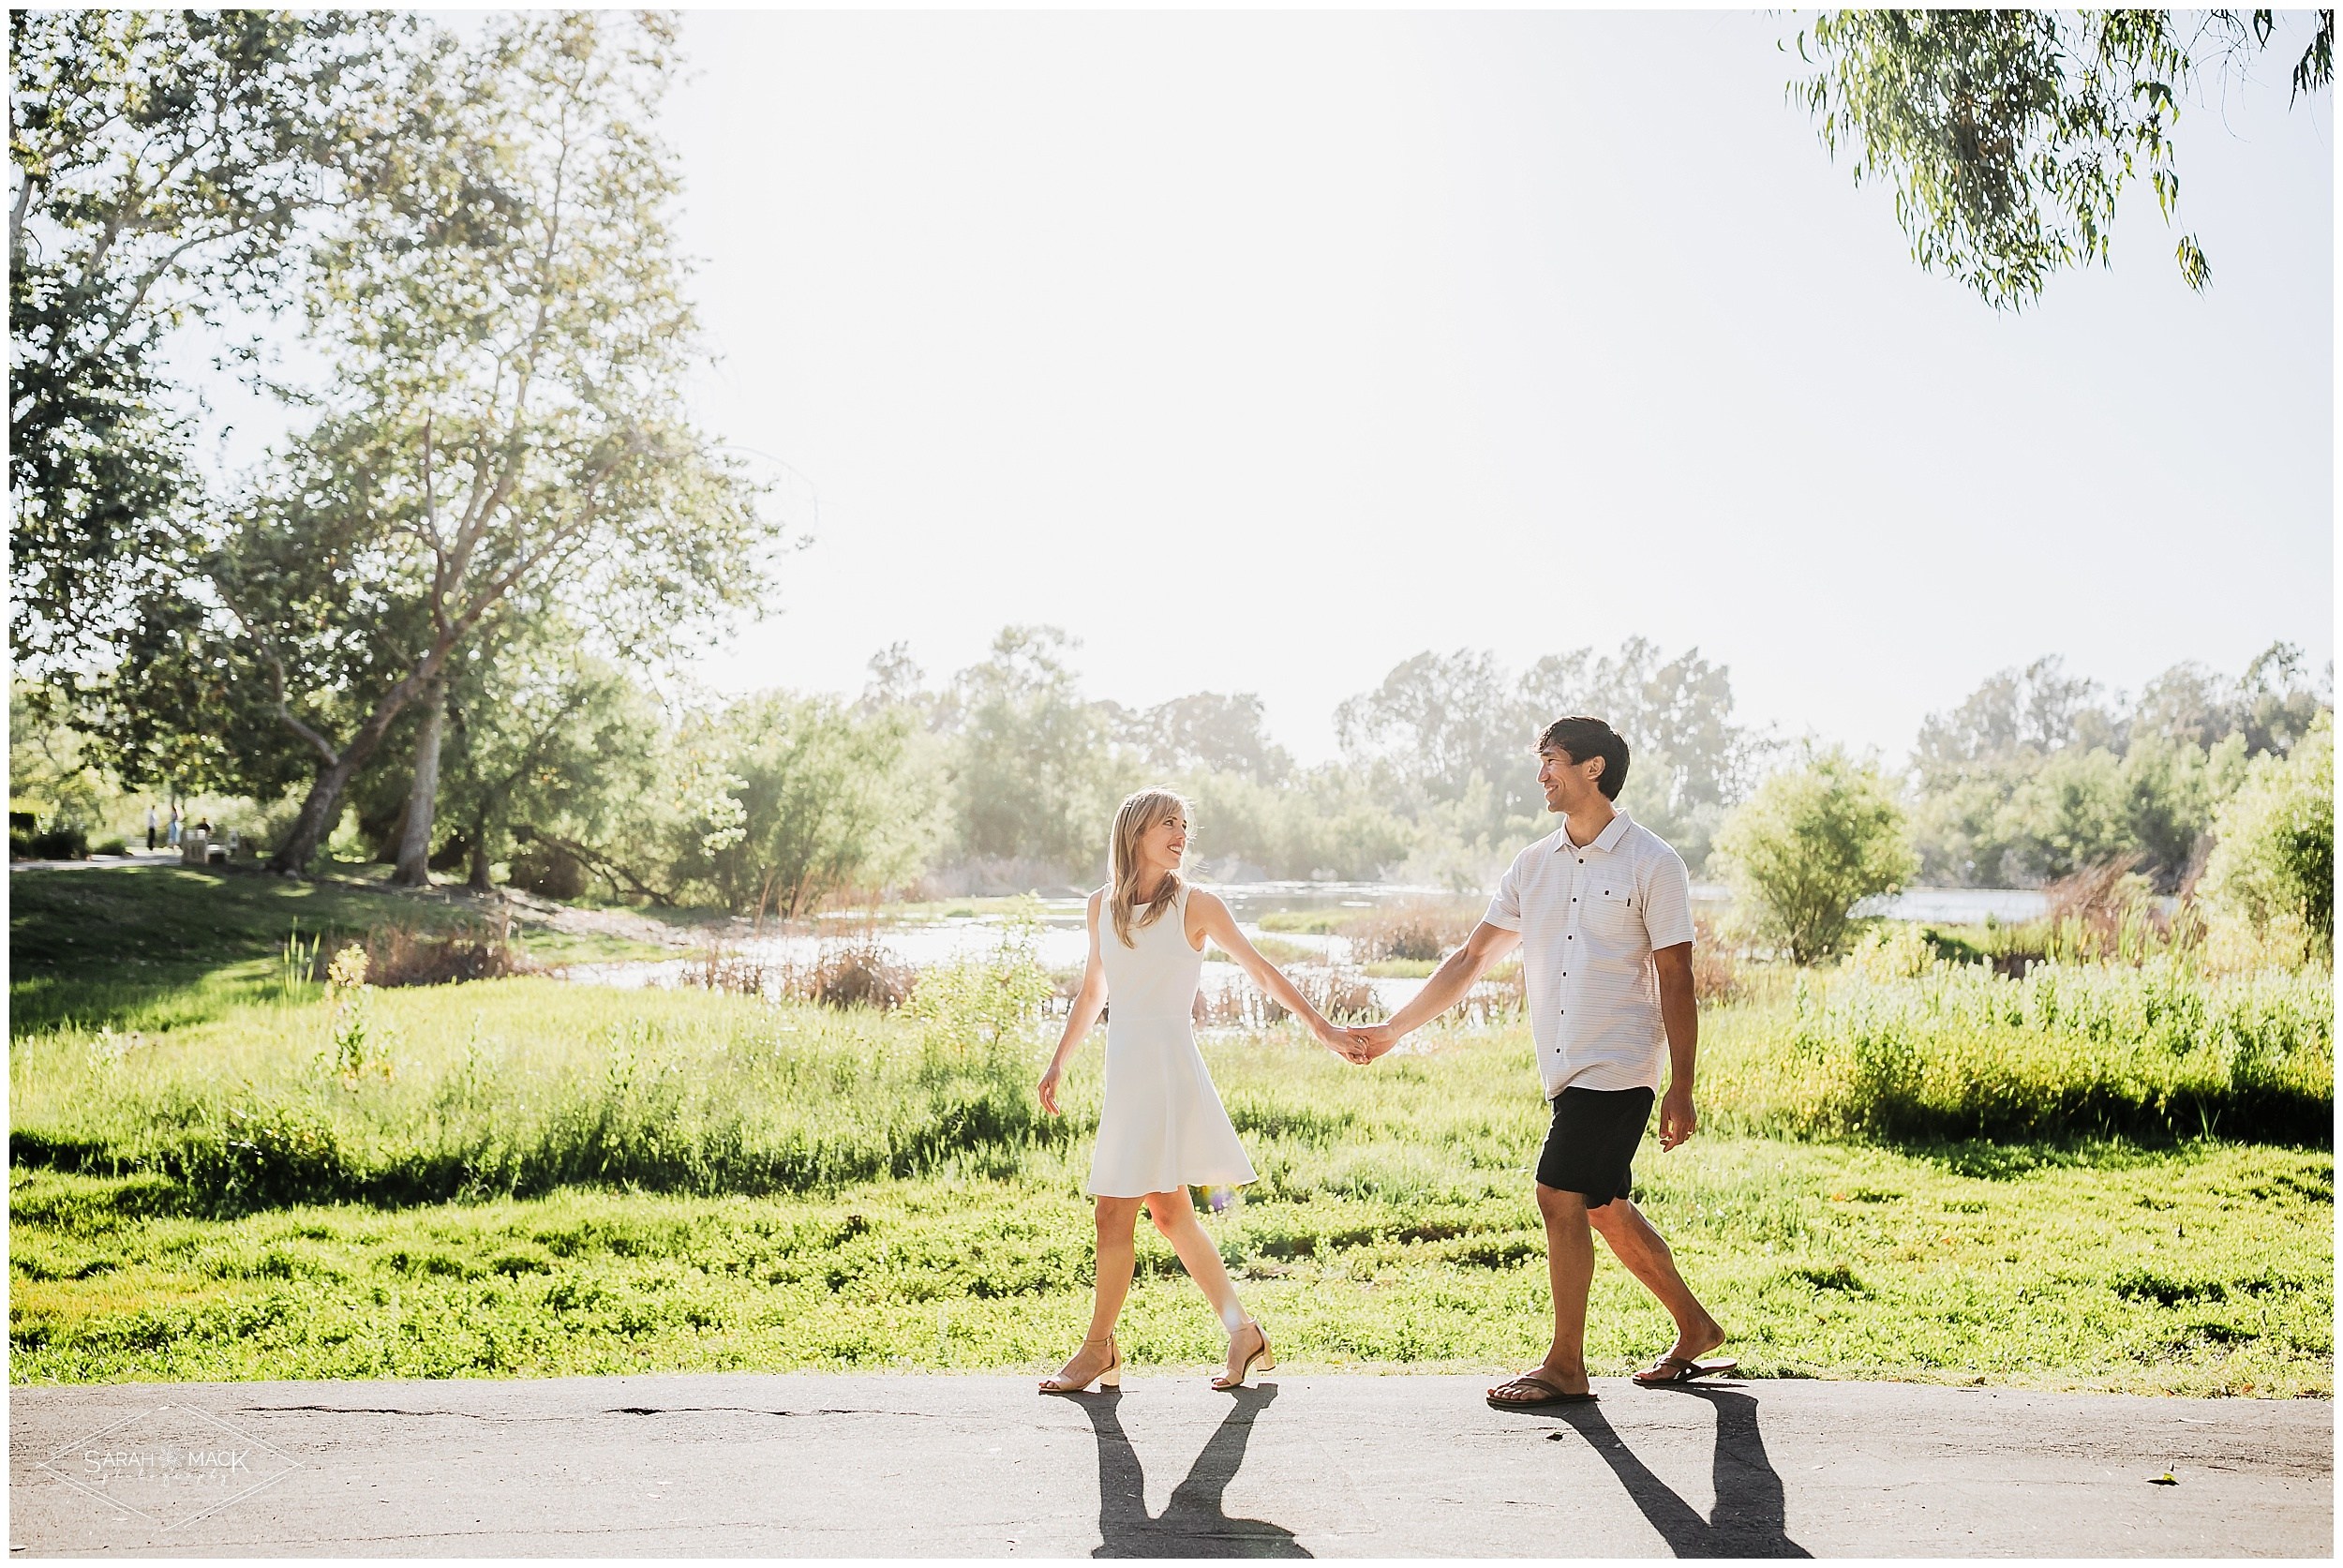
column 1139, row 810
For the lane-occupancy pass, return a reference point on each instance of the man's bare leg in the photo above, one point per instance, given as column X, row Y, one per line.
column 1569, row 1273
column 1643, row 1253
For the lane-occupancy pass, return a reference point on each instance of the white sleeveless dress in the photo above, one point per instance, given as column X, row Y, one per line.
column 1162, row 1127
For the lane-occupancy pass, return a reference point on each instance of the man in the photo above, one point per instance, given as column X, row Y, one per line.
column 151, row 823
column 1602, row 912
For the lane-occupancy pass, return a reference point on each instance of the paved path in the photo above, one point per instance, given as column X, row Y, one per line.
column 103, row 862
column 1330, row 1466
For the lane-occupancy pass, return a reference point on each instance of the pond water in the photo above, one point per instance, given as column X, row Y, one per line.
column 1064, row 939
column 921, row 942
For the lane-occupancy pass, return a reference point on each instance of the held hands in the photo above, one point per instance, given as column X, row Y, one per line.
column 1342, row 1042
column 1374, row 1040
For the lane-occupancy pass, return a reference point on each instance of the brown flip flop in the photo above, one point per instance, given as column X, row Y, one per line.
column 1670, row 1370
column 1554, row 1395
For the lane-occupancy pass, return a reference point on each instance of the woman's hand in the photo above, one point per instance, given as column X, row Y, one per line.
column 1047, row 1089
column 1340, row 1041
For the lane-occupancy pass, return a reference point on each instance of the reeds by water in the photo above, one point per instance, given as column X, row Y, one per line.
column 403, row 955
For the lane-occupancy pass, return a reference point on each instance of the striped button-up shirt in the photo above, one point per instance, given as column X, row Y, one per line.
column 1591, row 917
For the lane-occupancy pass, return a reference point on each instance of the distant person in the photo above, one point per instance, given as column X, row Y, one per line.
column 203, row 826
column 153, row 822
column 1601, row 909
column 1162, row 1128
column 174, row 839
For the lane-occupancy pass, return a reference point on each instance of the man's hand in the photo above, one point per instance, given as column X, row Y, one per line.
column 1677, row 1121
column 1342, row 1042
column 1374, row 1040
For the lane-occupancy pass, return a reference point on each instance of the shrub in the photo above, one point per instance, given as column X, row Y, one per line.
column 972, row 1003
column 858, row 973
column 1338, row 992
column 62, row 840
column 1340, row 995
column 2098, row 1049
column 398, row 955
column 1420, row 929
column 2272, row 863
column 1808, row 846
column 547, row 871
column 112, row 846
column 723, row 969
column 1716, row 973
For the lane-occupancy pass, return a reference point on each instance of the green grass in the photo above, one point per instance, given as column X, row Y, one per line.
column 516, row 1087
column 2206, row 1269
column 2159, row 1052
column 1942, row 1176
column 155, row 948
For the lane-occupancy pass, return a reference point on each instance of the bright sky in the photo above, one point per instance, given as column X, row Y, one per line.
column 1263, row 352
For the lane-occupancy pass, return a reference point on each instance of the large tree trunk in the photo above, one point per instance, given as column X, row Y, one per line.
column 318, row 812
column 480, row 883
column 414, row 845
column 323, row 806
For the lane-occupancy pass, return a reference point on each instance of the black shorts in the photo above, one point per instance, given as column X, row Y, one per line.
column 1591, row 1145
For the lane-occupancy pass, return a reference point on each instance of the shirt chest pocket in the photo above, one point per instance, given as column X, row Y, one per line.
column 1612, row 909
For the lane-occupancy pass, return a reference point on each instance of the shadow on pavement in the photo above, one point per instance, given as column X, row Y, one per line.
column 1192, row 1523
column 1748, row 1520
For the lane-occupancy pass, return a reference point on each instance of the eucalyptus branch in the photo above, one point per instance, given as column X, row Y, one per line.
column 611, row 871
column 26, row 181
column 431, row 519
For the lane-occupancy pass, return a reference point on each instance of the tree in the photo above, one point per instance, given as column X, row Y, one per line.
column 2273, row 860
column 826, row 804
column 49, row 769
column 501, row 436
column 547, row 735
column 1205, row 731
column 2007, row 135
column 2271, row 706
column 1453, row 738
column 1029, row 756
column 1809, row 846
column 2030, row 712
column 2068, row 814
column 2037, row 773
column 1324, row 822
column 1435, row 725
column 1688, row 761
column 164, row 162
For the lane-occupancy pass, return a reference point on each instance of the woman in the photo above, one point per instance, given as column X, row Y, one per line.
column 1162, row 1128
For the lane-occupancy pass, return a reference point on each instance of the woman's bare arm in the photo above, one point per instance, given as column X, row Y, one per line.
column 1090, row 1000
column 1221, row 927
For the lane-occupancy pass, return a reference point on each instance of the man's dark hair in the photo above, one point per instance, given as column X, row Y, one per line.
column 1581, row 738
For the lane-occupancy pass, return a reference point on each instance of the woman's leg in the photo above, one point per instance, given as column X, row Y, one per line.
column 1174, row 1214
column 1116, row 1217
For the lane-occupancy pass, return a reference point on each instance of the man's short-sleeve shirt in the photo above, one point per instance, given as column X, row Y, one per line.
column 1589, row 919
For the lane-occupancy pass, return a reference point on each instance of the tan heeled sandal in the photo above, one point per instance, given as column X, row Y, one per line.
column 1110, row 1377
column 1264, row 1357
